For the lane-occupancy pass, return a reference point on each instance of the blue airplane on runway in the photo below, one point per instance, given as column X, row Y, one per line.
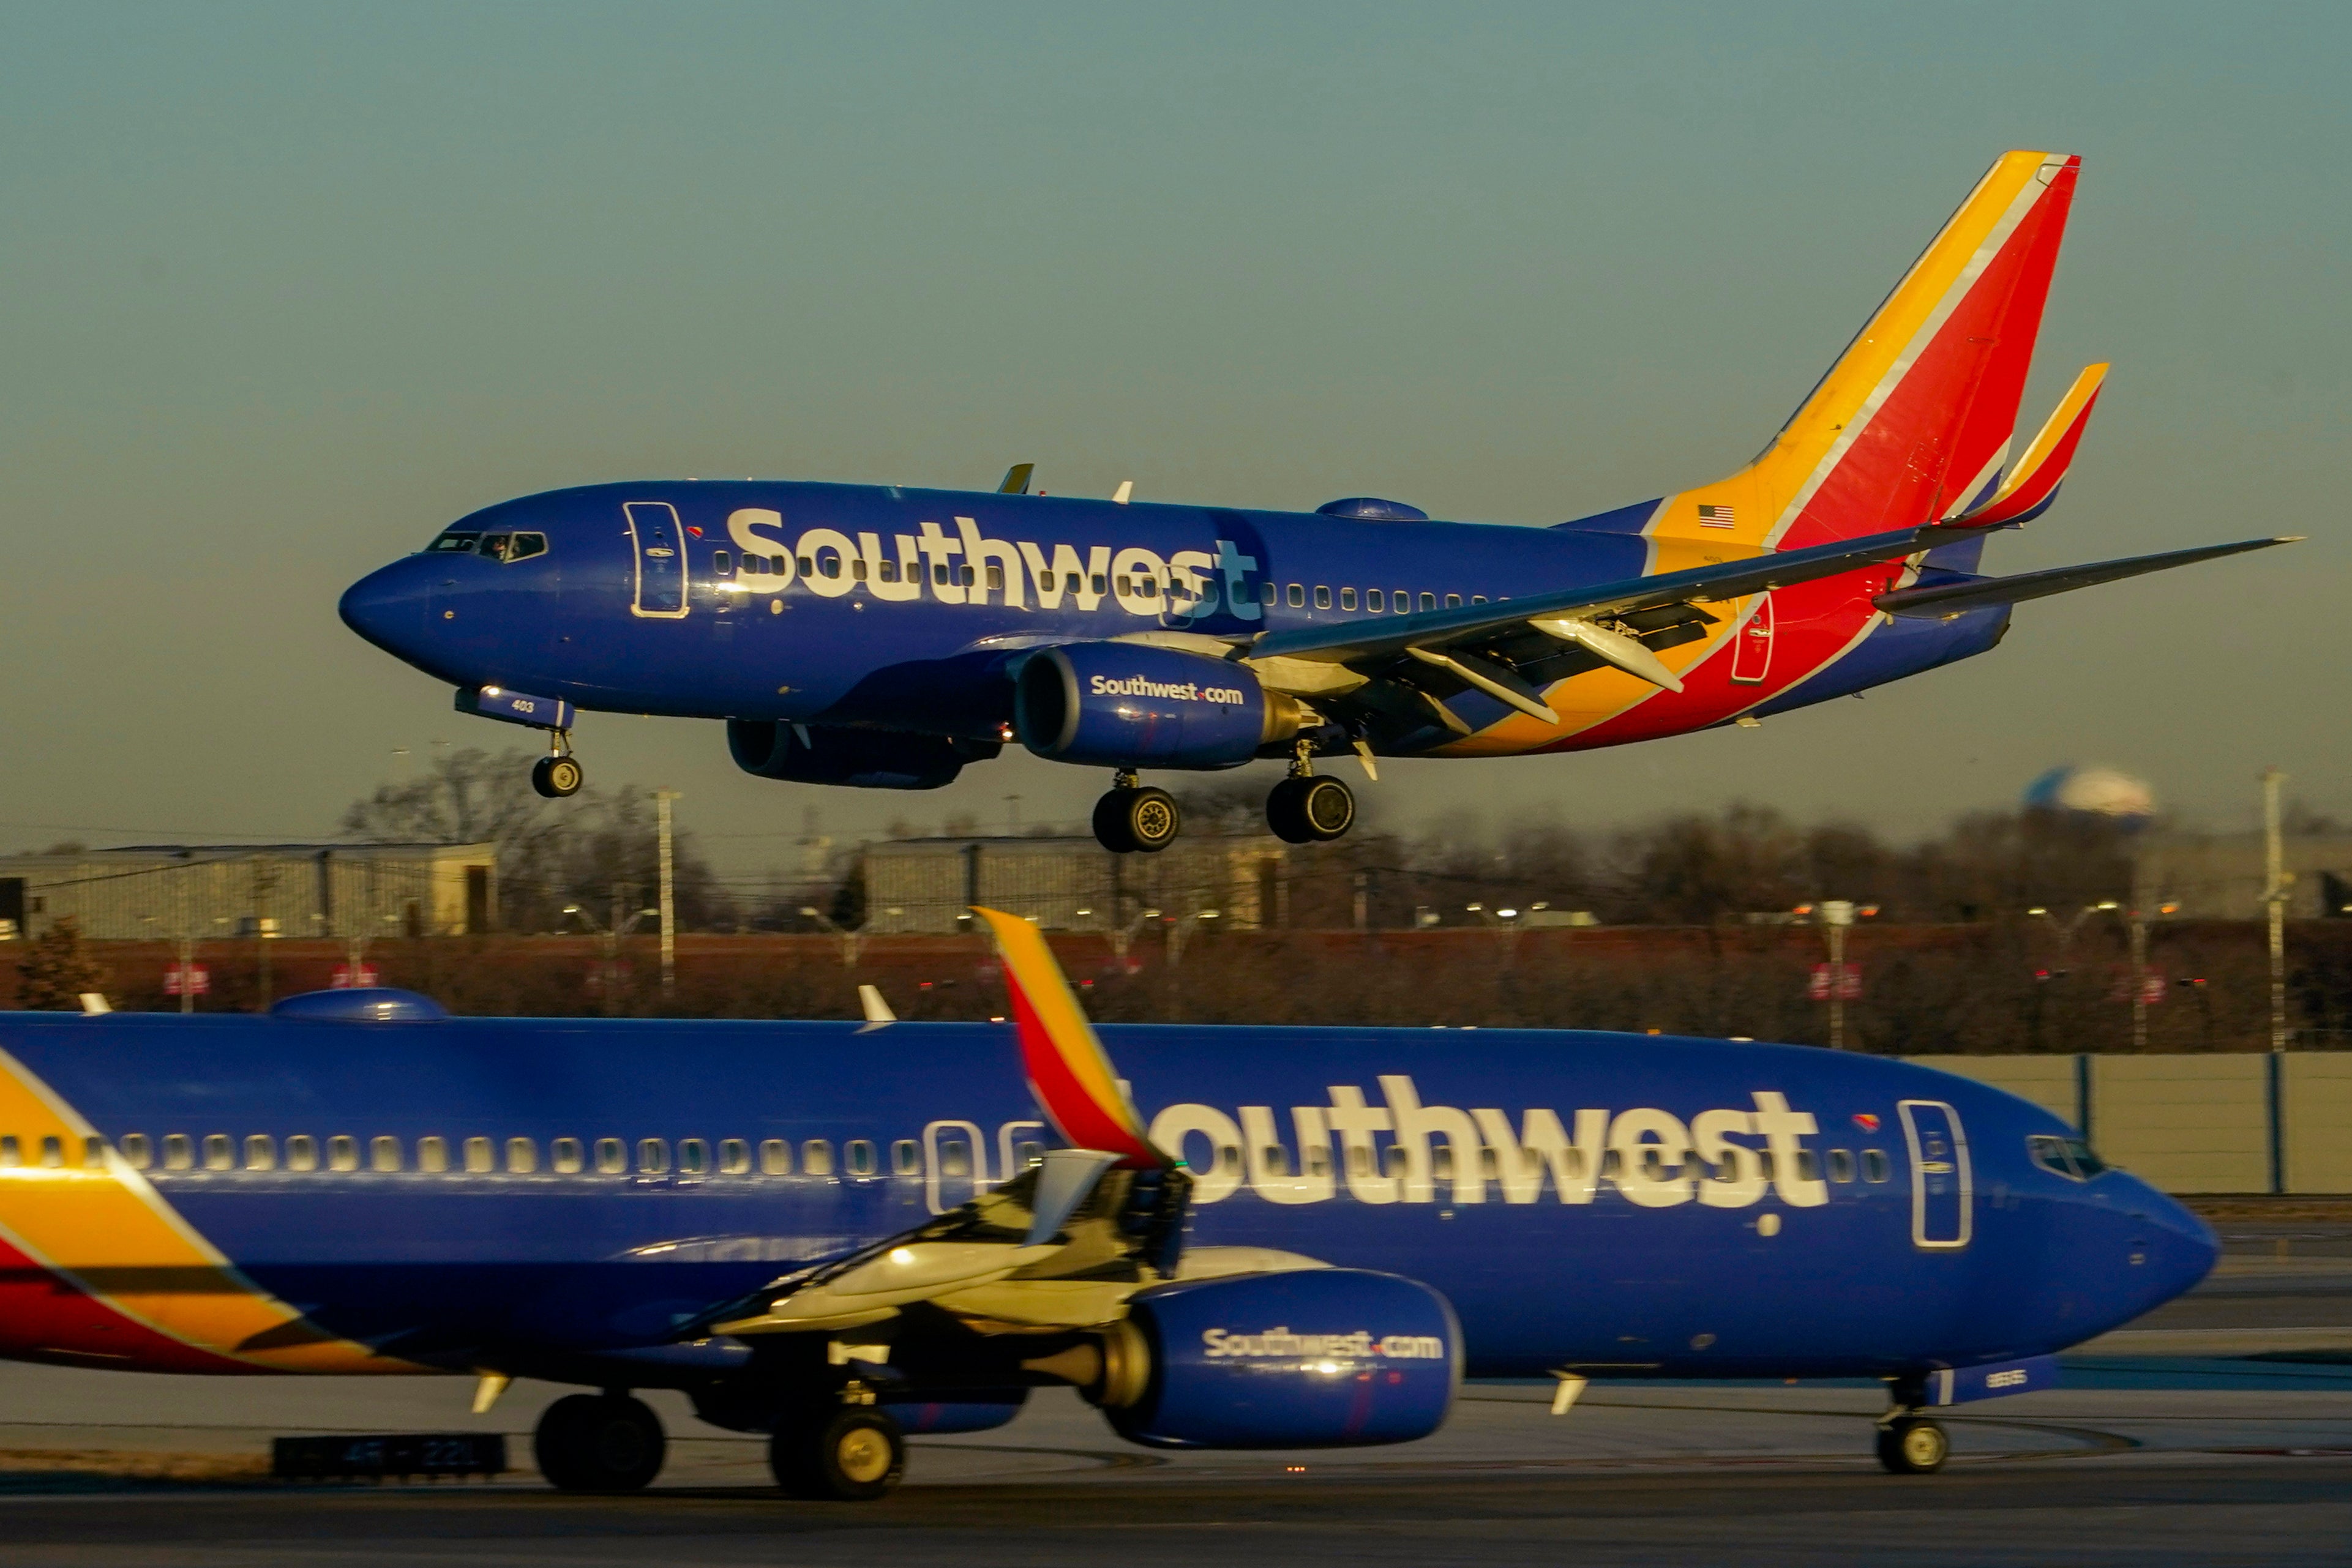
column 886, row 637
column 836, row 1234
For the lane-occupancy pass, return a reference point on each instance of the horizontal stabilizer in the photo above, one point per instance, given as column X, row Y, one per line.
column 2033, row 484
column 1943, row 599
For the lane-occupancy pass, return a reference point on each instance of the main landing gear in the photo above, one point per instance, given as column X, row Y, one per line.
column 849, row 1453
column 599, row 1443
column 1305, row 809
column 557, row 774
column 1134, row 818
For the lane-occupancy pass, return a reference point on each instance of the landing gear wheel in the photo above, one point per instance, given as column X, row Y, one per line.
column 1307, row 809
column 855, row 1456
column 599, row 1443
column 556, row 776
column 1130, row 820
column 1913, row 1446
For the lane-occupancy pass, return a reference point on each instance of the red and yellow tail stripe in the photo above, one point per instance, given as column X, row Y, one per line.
column 156, row 1291
column 1069, row 1072
column 2033, row 484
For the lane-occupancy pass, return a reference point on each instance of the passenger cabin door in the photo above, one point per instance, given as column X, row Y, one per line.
column 1751, row 645
column 1942, row 1197
column 661, row 546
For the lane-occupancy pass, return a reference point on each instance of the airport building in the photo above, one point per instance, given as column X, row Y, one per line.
column 2223, row 876
column 171, row 891
column 1069, row 883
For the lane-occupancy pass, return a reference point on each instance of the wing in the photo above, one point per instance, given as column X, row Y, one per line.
column 1940, row 600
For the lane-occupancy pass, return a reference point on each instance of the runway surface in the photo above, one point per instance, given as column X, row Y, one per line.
column 2168, row 1445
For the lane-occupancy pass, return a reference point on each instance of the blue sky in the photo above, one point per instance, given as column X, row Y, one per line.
column 284, row 288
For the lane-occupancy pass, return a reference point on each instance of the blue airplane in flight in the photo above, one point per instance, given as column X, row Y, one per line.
column 836, row 1234
column 886, row 637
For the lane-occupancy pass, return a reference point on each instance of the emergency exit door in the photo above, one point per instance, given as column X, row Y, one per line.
column 1942, row 1196
column 660, row 547
column 1751, row 645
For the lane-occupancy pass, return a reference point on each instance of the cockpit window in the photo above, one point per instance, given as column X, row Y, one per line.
column 507, row 547
column 2068, row 1157
column 522, row 546
column 463, row 543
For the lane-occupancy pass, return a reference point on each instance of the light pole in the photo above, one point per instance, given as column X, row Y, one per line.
column 1837, row 917
column 662, row 798
column 850, row 940
column 2139, row 922
column 2275, row 883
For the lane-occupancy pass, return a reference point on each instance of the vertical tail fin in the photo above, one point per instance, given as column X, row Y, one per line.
column 1915, row 419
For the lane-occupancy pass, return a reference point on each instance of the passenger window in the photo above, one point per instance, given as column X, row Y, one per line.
column 1375, row 601
column 816, row 1157
column 1360, row 1160
column 1126, row 587
column 479, row 1159
column 93, row 1154
column 693, row 1157
column 1393, row 1163
column 906, row 1157
column 955, row 1158
column 1453, row 602
column 1098, row 582
column 857, row 569
column 567, row 1160
column 135, row 1152
column 807, row 566
column 433, row 1154
column 1265, row 592
column 723, row 565
column 1402, row 601
column 858, row 1157
column 1429, row 601
column 1229, row 1160
column 996, row 577
column 1874, row 1164
column 220, row 1152
column 1477, row 599
column 302, row 1152
column 1070, row 582
column 967, row 576
column 179, row 1152
column 612, row 1157
column 52, row 1153
column 1322, row 597
column 1347, row 598
column 11, row 1152
column 260, row 1153
column 1808, row 1166
column 525, row 546
column 1441, row 1161
column 1298, row 596
column 1840, row 1165
column 889, row 571
column 776, row 1157
column 734, row 1157
column 1147, row 587
column 342, row 1152
column 522, row 1157
column 653, row 1157
column 383, row 1154
column 828, row 566
column 1319, row 1160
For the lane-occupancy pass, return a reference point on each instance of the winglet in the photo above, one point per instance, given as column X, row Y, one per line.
column 1069, row 1074
column 1016, row 479
column 2033, row 484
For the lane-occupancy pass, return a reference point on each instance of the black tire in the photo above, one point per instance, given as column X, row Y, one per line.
column 599, row 1443
column 1152, row 818
column 1286, row 814
column 1110, row 822
column 1913, row 1446
column 855, row 1454
column 1328, row 807
column 557, row 776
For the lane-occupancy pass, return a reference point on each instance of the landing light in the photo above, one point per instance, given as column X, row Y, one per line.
column 901, row 1256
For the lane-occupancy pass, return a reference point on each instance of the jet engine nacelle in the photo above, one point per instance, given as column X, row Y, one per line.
column 1132, row 705
column 1322, row 1358
column 865, row 759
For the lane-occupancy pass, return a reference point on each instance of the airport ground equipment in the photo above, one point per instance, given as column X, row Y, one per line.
column 883, row 637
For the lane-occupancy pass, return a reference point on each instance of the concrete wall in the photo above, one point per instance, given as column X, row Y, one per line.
column 2251, row 1122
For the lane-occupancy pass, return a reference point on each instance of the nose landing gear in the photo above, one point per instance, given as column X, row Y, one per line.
column 1133, row 817
column 557, row 774
column 1306, row 809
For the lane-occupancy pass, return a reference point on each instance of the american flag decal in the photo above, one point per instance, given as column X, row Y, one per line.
column 1715, row 518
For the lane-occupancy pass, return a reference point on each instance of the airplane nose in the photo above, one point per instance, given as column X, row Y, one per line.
column 387, row 608
column 2179, row 1249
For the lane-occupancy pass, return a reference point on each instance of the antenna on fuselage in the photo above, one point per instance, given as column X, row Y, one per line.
column 1016, row 479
